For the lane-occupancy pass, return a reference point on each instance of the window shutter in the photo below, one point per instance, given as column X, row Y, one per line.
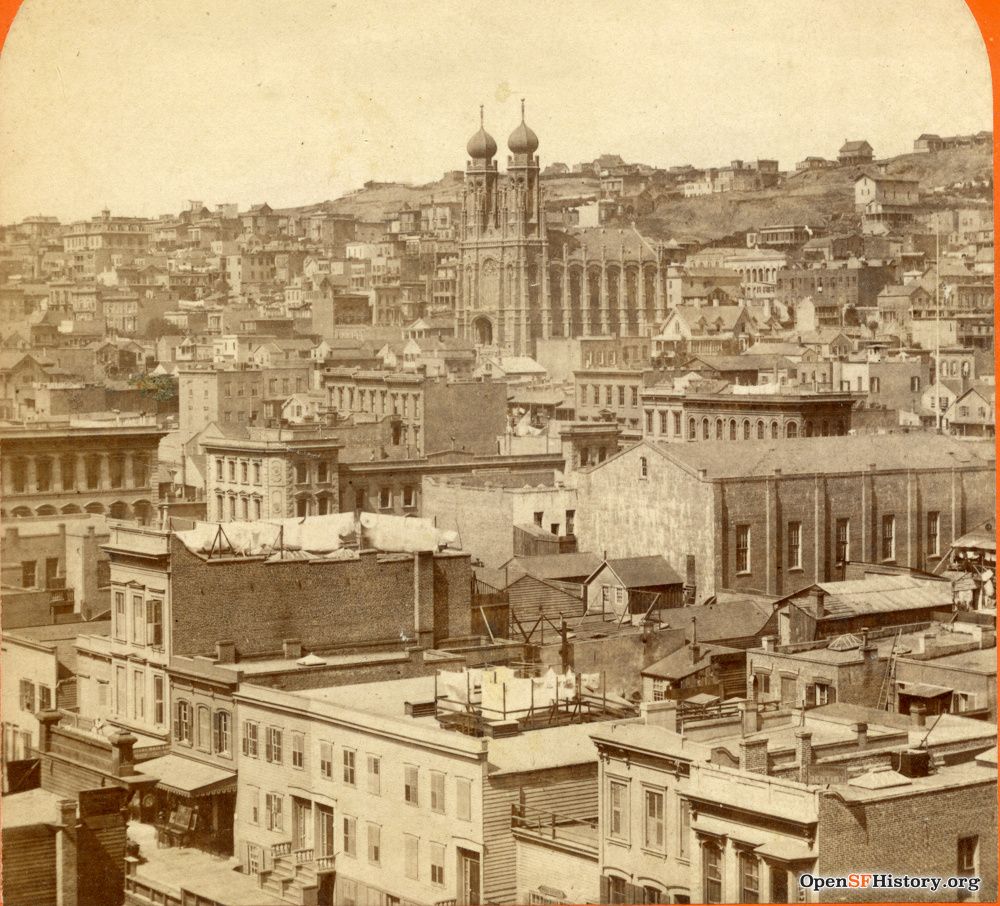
column 605, row 889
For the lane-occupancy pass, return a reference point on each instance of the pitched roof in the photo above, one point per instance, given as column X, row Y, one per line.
column 681, row 663
column 640, row 572
column 882, row 594
column 555, row 566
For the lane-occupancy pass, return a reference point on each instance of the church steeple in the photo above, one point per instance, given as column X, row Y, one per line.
column 523, row 140
column 481, row 146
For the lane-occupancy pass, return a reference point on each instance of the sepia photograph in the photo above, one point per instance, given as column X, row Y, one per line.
column 477, row 453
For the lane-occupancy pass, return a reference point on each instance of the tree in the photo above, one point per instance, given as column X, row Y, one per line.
column 162, row 387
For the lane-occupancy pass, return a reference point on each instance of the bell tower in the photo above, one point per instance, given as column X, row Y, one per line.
column 502, row 299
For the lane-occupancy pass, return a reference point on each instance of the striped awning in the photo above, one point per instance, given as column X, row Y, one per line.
column 187, row 777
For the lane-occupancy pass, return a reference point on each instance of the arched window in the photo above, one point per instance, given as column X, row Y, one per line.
column 643, row 467
column 761, row 430
column 718, row 429
column 732, row 429
column 775, row 431
column 746, row 429
column 692, row 429
column 182, row 722
column 706, row 431
column 791, row 430
column 204, row 728
column 220, row 733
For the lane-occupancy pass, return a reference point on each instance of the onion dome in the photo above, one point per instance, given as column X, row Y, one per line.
column 481, row 146
column 523, row 140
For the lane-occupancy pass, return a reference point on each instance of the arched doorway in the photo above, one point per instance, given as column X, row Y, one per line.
column 482, row 329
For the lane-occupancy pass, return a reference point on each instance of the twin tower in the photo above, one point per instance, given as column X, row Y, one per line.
column 502, row 299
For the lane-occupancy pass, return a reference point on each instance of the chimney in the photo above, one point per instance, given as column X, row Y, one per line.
column 918, row 715
column 660, row 714
column 291, row 649
column 804, row 753
column 47, row 720
column 767, row 643
column 750, row 721
column 225, row 652
column 753, row 756
column 695, row 647
column 861, row 734
column 122, row 759
column 816, row 596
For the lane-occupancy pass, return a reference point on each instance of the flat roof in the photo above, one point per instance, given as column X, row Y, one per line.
column 35, row 806
column 805, row 455
column 980, row 660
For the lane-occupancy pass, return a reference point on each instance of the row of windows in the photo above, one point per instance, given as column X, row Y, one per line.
column 654, row 827
column 659, row 421
column 378, row 402
column 842, row 541
column 144, row 618
column 133, row 705
column 202, row 728
column 611, row 394
column 273, row 819
column 346, row 768
column 90, row 478
column 31, row 702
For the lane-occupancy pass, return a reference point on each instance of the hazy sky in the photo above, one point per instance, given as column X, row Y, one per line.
column 142, row 105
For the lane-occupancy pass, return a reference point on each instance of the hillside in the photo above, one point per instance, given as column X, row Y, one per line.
column 822, row 198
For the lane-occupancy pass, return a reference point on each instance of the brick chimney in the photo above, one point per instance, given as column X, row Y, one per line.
column 918, row 715
column 803, row 753
column 816, row 596
column 861, row 734
column 753, row 756
column 225, row 652
column 291, row 649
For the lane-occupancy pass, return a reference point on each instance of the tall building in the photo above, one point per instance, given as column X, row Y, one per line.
column 503, row 246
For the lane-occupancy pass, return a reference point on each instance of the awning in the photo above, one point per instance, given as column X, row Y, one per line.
column 187, row 777
column 924, row 690
column 786, row 850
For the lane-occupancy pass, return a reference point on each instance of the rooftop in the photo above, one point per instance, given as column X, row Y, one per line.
column 806, row 455
column 35, row 806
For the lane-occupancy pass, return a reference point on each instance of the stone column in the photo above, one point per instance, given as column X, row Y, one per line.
column 585, row 299
column 32, row 475
column 56, row 473
column 81, row 471
column 128, row 472
column 105, row 480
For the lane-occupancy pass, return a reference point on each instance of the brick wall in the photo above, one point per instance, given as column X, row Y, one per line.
column 916, row 834
column 342, row 603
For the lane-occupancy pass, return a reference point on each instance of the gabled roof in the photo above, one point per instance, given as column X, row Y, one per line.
column 640, row 572
column 681, row 663
column 879, row 594
column 555, row 566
